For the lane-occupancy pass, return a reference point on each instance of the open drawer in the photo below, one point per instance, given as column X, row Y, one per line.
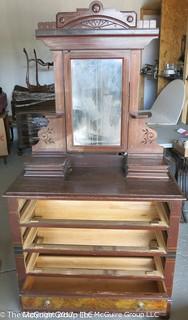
column 147, row 267
column 93, row 241
column 105, row 214
column 89, row 294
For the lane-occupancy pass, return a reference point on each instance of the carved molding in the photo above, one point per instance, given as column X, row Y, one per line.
column 96, row 17
column 95, row 23
column 47, row 25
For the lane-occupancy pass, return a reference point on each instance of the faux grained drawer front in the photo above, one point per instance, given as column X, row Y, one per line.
column 74, row 293
column 106, row 214
column 52, row 303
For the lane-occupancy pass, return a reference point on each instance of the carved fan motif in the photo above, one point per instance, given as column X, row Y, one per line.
column 97, row 23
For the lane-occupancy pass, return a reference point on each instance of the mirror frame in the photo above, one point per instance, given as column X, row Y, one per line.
column 68, row 56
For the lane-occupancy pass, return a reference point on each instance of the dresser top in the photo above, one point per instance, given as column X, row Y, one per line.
column 95, row 183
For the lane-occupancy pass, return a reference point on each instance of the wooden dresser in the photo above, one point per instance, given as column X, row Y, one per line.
column 95, row 216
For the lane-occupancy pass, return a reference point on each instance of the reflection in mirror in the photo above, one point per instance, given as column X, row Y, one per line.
column 96, row 101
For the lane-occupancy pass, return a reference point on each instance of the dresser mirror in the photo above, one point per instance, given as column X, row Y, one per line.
column 96, row 96
column 96, row 101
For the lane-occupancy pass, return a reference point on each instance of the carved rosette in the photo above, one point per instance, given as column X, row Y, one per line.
column 142, row 139
column 50, row 137
column 96, row 6
column 46, row 135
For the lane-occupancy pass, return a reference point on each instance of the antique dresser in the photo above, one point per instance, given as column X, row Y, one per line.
column 95, row 215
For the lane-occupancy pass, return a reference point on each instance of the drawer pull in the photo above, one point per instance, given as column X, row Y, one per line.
column 150, row 272
column 140, row 305
column 39, row 239
column 153, row 245
column 155, row 221
column 47, row 303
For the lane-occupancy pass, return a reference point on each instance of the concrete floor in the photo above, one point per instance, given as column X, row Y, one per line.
column 8, row 284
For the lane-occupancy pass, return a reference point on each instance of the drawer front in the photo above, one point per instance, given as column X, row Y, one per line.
column 51, row 303
column 97, row 240
column 109, row 214
column 141, row 267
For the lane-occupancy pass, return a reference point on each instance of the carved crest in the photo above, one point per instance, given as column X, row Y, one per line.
column 96, row 17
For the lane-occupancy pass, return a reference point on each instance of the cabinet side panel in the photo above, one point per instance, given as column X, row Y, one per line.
column 175, row 215
column 169, row 274
column 59, row 81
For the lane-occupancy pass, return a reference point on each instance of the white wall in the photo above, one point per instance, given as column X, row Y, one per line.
column 150, row 55
column 18, row 21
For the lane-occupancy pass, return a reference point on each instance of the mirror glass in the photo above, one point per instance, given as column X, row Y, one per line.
column 96, row 101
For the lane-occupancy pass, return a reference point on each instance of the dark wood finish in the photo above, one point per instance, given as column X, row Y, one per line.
column 169, row 274
column 51, row 137
column 96, row 17
column 20, row 265
column 59, row 81
column 109, row 206
column 95, row 184
column 173, row 232
column 140, row 167
column 95, row 42
column 142, row 139
column 92, row 39
column 50, row 167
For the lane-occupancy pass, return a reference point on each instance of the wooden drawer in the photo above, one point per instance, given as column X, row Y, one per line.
column 94, row 240
column 105, row 214
column 146, row 267
column 86, row 294
column 55, row 303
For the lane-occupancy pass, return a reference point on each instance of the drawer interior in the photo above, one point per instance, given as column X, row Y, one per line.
column 101, row 266
column 80, row 212
column 130, row 240
column 93, row 286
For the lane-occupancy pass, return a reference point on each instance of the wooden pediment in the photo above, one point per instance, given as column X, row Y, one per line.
column 96, row 18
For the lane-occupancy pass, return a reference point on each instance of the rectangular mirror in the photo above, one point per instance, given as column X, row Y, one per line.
column 96, row 101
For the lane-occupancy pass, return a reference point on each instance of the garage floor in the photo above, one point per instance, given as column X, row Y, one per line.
column 8, row 285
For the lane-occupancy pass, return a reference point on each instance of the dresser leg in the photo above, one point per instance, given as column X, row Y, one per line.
column 167, row 316
column 5, row 160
